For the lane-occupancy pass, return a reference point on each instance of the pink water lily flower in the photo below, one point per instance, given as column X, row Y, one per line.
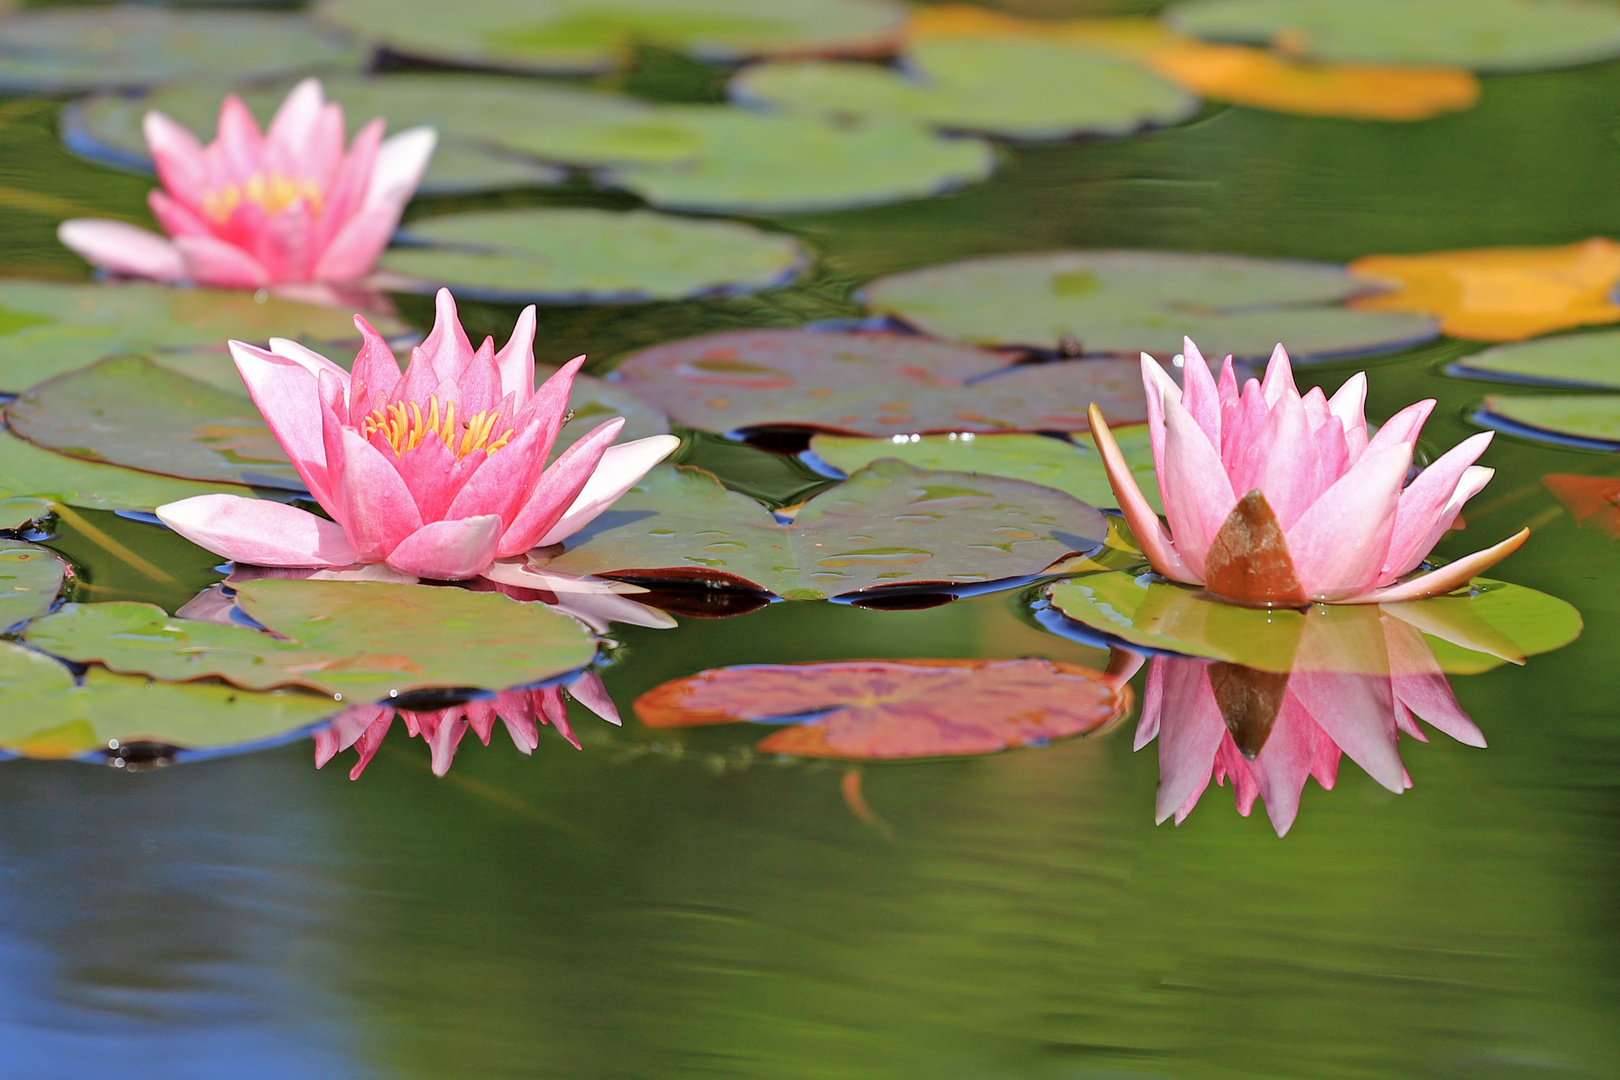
column 438, row 472
column 1276, row 499
column 252, row 210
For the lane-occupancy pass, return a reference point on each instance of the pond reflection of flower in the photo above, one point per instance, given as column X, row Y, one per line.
column 252, row 210
column 521, row 711
column 1355, row 686
column 437, row 473
column 1276, row 499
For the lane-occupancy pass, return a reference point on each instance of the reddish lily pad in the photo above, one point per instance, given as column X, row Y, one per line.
column 873, row 384
column 1593, row 501
column 894, row 709
column 887, row 525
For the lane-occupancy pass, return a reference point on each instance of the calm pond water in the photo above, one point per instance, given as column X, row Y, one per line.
column 671, row 905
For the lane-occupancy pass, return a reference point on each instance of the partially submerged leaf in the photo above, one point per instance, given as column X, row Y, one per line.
column 26, row 471
column 873, row 384
column 1135, row 301
column 361, row 641
column 894, row 709
column 30, row 579
column 1593, row 501
column 888, row 525
column 1591, row 421
column 1588, row 359
column 1500, row 294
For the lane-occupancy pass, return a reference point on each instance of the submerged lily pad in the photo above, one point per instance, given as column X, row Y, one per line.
column 749, row 163
column 873, row 384
column 47, row 328
column 49, row 715
column 592, row 35
column 1586, row 420
column 888, row 525
column 1485, row 35
column 28, row 472
column 362, row 641
column 1593, row 501
column 1073, row 467
column 126, row 410
column 894, row 709
column 1495, row 623
column 590, row 256
column 75, row 49
column 30, row 579
column 1132, row 301
column 1591, row 359
column 1019, row 89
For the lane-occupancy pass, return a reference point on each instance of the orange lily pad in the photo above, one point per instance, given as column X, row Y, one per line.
column 1593, row 501
column 895, row 709
column 1500, row 294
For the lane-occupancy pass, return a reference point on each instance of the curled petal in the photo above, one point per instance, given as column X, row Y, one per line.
column 123, row 249
column 449, row 550
column 1448, row 578
column 1144, row 523
column 557, row 489
column 258, row 531
column 618, row 471
column 1430, row 504
column 1199, row 495
column 214, row 262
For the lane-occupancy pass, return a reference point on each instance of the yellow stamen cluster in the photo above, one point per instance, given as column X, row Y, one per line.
column 404, row 427
column 272, row 194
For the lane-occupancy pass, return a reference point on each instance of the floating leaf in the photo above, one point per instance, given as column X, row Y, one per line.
column 761, row 164
column 26, row 471
column 590, row 256
column 1019, row 89
column 1132, row 301
column 48, row 715
column 888, row 525
column 126, row 410
column 592, row 35
column 1591, row 421
column 1593, row 501
column 1055, row 463
column 1469, row 633
column 873, row 384
column 1500, row 294
column 894, row 709
column 75, row 49
column 1590, row 359
column 1485, row 35
column 47, row 328
column 362, row 640
column 30, row 579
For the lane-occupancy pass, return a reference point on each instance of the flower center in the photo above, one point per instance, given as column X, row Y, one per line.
column 404, row 427
column 271, row 194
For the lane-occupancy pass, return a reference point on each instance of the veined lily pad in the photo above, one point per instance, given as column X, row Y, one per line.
column 1019, row 89
column 364, row 641
column 30, row 579
column 48, row 715
column 889, row 524
column 1131, row 301
column 751, row 163
column 894, row 709
column 873, row 384
column 47, row 328
column 1496, row 623
column 590, row 256
column 1591, row 359
column 75, row 49
column 1485, row 35
column 1074, row 467
column 590, row 35
column 27, row 472
column 1586, row 420
column 126, row 410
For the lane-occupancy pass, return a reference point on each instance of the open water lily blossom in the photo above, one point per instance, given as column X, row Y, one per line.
column 1277, row 499
column 439, row 472
column 252, row 209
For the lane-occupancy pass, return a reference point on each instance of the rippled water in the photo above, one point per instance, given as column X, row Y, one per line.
column 670, row 905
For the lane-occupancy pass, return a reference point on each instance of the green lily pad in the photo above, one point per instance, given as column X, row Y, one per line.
column 15, row 513
column 1021, row 89
column 126, row 410
column 48, row 715
column 30, row 579
column 1076, row 468
column 595, row 400
column 361, row 641
column 28, row 472
column 1496, row 623
column 592, row 35
column 1586, row 420
column 889, row 524
column 47, row 328
column 876, row 384
column 1485, row 35
column 753, row 163
column 1566, row 360
column 76, row 49
column 589, row 256
column 1133, row 301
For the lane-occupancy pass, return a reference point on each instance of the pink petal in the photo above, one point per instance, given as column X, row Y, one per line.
column 515, row 361
column 1147, row 724
column 1156, row 386
column 376, row 367
column 1340, row 542
column 345, row 729
column 501, row 481
column 436, row 478
column 346, row 189
column 378, row 511
column 395, row 174
column 1357, row 713
column 308, row 359
column 446, row 348
column 1279, row 378
column 1144, row 523
column 1190, row 733
column 1198, row 496
column 123, row 249
column 1426, row 511
column 1283, row 764
column 295, row 120
column 173, row 217
column 401, row 161
column 1199, row 394
column 589, row 692
column 1403, row 427
column 557, row 489
column 237, row 141
column 1349, row 403
column 258, row 531
column 619, row 470
column 549, row 404
column 1447, row 578
column 210, row 261
column 449, row 550
column 177, row 156
column 354, row 250
column 288, row 396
